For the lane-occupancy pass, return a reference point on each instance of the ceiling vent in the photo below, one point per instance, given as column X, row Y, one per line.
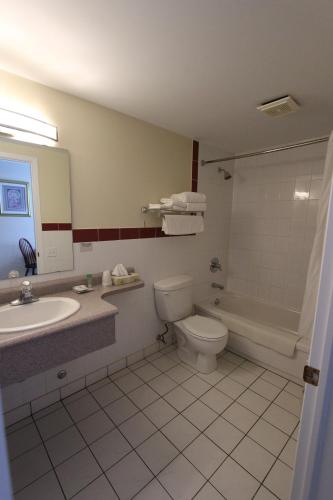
column 279, row 107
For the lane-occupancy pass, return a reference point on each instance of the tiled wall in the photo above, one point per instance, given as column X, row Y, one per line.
column 137, row 323
column 274, row 208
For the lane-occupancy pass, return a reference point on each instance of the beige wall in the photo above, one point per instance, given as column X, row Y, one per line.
column 53, row 178
column 118, row 163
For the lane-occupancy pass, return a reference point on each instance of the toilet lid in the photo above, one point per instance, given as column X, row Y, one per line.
column 205, row 328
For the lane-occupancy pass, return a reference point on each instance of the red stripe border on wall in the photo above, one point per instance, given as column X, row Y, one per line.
column 123, row 233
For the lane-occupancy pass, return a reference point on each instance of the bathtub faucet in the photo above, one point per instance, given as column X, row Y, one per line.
column 217, row 285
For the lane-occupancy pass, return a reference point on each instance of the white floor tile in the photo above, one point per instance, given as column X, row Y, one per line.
column 254, row 458
column 179, row 398
column 240, row 417
column 274, row 379
column 225, row 435
column 53, row 423
column 200, row 415
column 230, row 387
column 19, row 425
column 137, row 428
column 160, row 412
column 162, row 384
column 147, row 372
column 128, row 382
column 224, row 366
column 82, row 408
column 243, row 377
column 107, row 394
column 157, row 452
column 204, row 455
column 264, row 494
column 64, row 445
column 179, row 374
column 253, row 402
column 295, row 389
column 110, row 448
column 216, row 400
column 77, row 472
column 196, row 386
column 129, row 467
column 181, row 479
column 288, row 453
column 281, row 418
column 164, row 363
column 289, row 402
column 22, row 440
column 120, row 373
column 252, row 367
column 153, row 491
column 100, row 489
column 121, row 410
column 212, row 378
column 53, row 407
column 28, row 467
column 295, row 434
column 45, row 487
column 143, row 396
column 208, row 492
column 279, row 480
column 180, row 432
column 95, row 426
column 233, row 482
column 233, row 358
column 265, row 389
column 268, row 436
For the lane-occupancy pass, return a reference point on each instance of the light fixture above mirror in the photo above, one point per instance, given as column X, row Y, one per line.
column 26, row 128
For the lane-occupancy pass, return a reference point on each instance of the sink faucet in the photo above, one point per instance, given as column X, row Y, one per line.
column 26, row 295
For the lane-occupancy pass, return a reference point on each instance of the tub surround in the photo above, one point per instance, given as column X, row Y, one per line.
column 91, row 328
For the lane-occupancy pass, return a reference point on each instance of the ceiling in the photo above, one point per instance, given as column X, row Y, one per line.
column 198, row 67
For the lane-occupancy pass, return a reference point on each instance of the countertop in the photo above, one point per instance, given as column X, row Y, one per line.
column 92, row 308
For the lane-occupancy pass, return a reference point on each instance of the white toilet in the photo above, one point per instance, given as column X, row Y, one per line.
column 199, row 338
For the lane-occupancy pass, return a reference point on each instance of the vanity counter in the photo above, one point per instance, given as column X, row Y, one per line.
column 92, row 327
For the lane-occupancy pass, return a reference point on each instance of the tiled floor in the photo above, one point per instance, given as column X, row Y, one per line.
column 160, row 430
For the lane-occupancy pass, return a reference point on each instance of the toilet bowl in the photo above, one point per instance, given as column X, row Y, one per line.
column 199, row 338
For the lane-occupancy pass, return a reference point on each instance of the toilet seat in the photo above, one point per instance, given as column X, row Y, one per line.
column 204, row 328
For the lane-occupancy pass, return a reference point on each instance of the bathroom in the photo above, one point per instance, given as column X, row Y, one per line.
column 184, row 378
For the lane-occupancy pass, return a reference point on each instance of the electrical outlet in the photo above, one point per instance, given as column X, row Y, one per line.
column 52, row 252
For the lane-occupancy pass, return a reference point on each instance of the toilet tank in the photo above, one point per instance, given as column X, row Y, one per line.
column 173, row 297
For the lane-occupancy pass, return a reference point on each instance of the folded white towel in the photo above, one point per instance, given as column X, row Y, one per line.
column 189, row 197
column 182, row 224
column 166, row 202
column 190, row 207
column 154, row 206
column 119, row 270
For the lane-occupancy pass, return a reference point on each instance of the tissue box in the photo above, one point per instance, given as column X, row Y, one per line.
column 123, row 280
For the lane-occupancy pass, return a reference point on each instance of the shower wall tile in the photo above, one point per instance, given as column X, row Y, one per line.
column 273, row 221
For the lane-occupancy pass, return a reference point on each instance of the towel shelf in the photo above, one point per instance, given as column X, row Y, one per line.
column 165, row 211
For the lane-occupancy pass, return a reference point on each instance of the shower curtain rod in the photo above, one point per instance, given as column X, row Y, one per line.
column 267, row 151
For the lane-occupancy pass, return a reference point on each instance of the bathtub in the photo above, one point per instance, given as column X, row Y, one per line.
column 248, row 320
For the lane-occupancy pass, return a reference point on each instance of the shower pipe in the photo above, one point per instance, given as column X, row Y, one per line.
column 267, row 151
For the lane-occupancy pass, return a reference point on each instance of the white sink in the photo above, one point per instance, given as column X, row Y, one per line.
column 45, row 311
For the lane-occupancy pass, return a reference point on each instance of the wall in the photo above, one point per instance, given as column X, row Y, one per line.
column 137, row 323
column 274, row 210
column 14, row 228
column 118, row 163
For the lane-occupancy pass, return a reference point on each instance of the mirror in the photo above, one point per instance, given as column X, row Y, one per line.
column 35, row 210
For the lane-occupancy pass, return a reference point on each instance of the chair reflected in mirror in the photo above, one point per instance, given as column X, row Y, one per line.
column 29, row 256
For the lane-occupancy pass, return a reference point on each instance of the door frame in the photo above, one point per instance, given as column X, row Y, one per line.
column 33, row 162
column 315, row 414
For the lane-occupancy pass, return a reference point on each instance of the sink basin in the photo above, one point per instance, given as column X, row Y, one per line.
column 45, row 311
